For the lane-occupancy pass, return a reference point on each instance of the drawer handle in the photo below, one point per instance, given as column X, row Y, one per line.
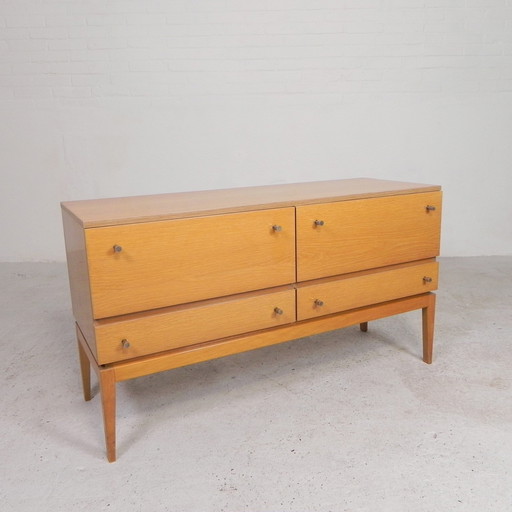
column 427, row 279
column 278, row 311
column 319, row 222
column 319, row 302
column 275, row 227
column 430, row 208
column 117, row 248
column 125, row 343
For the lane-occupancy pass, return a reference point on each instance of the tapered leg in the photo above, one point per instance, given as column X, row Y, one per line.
column 85, row 368
column 108, row 401
column 364, row 326
column 428, row 315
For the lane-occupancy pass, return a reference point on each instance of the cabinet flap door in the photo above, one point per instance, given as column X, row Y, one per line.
column 144, row 266
column 348, row 236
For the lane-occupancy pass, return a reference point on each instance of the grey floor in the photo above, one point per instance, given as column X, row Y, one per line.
column 343, row 421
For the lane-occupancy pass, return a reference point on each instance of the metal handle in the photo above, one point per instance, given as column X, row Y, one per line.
column 125, row 343
column 278, row 311
column 430, row 208
column 427, row 279
column 319, row 302
column 117, row 248
column 319, row 222
column 275, row 227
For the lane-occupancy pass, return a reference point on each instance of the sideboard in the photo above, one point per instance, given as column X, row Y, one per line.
column 163, row 281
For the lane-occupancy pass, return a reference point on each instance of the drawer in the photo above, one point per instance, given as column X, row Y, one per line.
column 346, row 293
column 367, row 233
column 161, row 264
column 179, row 326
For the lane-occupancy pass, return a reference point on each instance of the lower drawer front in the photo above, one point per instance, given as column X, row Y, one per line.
column 353, row 292
column 187, row 325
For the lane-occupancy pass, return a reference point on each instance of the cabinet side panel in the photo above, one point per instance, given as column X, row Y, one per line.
column 79, row 277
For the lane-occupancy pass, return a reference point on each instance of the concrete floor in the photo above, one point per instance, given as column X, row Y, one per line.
column 343, row 421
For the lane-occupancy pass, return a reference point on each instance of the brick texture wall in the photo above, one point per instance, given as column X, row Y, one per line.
column 124, row 97
column 82, row 50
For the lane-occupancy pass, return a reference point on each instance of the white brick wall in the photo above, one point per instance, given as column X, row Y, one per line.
column 135, row 96
column 247, row 47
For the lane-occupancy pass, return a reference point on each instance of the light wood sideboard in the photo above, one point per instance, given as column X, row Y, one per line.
column 163, row 281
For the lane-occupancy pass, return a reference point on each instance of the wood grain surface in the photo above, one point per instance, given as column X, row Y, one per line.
column 127, row 210
column 366, row 233
column 186, row 260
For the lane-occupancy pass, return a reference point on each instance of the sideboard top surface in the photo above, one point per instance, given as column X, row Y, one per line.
column 125, row 210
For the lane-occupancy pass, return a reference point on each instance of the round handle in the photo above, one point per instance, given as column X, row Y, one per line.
column 319, row 302
column 427, row 279
column 430, row 208
column 117, row 248
column 125, row 343
column 278, row 311
column 275, row 227
column 319, row 222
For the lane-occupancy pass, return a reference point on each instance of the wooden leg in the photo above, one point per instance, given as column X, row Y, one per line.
column 108, row 400
column 428, row 315
column 364, row 326
column 85, row 368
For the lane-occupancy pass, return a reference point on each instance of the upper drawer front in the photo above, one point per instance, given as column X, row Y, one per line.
column 366, row 233
column 177, row 261
column 353, row 292
column 187, row 325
